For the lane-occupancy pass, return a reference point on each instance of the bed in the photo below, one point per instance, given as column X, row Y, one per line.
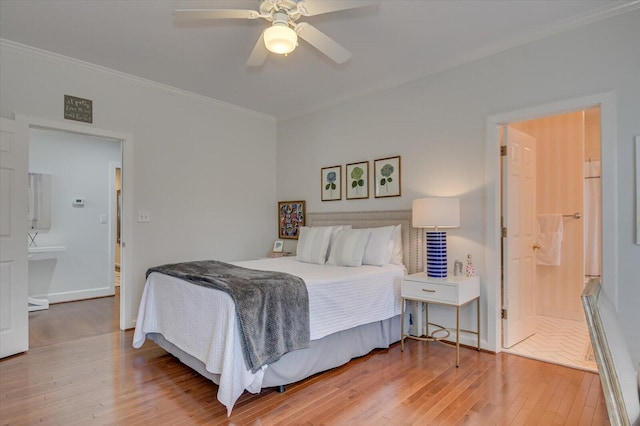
column 352, row 310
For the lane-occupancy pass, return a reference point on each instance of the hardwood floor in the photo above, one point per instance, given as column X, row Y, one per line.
column 63, row 322
column 101, row 379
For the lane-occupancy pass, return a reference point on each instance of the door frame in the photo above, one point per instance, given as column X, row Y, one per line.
column 24, row 123
column 113, row 202
column 608, row 149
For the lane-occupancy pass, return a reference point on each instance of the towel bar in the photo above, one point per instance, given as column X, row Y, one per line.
column 575, row 215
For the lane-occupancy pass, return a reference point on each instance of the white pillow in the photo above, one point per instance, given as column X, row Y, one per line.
column 378, row 250
column 396, row 252
column 334, row 231
column 348, row 247
column 313, row 244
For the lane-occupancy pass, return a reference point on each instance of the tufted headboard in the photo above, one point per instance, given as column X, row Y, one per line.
column 412, row 238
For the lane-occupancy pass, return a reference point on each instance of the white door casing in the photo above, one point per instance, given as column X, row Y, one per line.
column 519, row 259
column 14, row 291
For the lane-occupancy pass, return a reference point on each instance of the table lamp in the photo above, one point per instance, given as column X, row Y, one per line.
column 436, row 213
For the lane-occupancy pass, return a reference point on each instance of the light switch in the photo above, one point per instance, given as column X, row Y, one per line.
column 144, row 216
column 103, row 218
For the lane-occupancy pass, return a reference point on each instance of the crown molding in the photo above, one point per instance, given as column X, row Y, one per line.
column 492, row 49
column 23, row 49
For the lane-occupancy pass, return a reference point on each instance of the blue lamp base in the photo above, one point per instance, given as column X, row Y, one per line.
column 437, row 254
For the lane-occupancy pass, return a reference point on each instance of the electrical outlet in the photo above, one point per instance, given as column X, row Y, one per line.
column 144, row 216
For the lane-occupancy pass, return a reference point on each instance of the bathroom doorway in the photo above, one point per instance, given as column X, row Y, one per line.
column 80, row 280
column 568, row 225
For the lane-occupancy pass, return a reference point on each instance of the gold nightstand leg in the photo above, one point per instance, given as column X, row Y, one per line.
column 404, row 302
column 457, row 336
column 426, row 317
column 478, row 321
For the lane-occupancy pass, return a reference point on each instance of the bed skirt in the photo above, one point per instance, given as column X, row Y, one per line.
column 323, row 354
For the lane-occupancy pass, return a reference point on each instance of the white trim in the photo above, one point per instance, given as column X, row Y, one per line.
column 72, row 296
column 127, row 220
column 24, row 49
column 608, row 117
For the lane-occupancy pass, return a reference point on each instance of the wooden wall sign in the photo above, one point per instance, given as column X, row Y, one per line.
column 78, row 109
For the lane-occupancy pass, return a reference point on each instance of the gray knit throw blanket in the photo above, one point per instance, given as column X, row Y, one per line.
column 272, row 307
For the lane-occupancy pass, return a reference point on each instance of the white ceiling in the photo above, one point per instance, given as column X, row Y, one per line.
column 392, row 41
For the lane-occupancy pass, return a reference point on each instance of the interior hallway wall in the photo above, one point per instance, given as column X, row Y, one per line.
column 559, row 190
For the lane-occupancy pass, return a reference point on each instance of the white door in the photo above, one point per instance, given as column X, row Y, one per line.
column 519, row 218
column 14, row 314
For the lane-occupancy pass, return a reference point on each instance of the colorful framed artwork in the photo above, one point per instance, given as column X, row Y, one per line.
column 331, row 181
column 291, row 217
column 387, row 175
column 357, row 176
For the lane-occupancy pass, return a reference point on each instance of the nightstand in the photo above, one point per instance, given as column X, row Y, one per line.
column 452, row 291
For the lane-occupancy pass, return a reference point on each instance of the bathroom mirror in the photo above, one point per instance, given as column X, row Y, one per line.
column 39, row 210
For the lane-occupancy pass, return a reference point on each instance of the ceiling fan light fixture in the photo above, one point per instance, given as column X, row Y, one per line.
column 280, row 38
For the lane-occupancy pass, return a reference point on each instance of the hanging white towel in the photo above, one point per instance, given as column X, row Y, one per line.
column 549, row 239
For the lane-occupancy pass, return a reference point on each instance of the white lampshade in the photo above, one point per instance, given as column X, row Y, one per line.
column 280, row 38
column 436, row 213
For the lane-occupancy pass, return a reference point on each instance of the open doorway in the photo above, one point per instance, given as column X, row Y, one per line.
column 567, row 246
column 79, row 280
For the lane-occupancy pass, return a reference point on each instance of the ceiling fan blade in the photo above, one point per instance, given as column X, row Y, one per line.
column 258, row 54
column 318, row 7
column 322, row 42
column 216, row 14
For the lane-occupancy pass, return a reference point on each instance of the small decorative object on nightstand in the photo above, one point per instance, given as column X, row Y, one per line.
column 470, row 269
column 455, row 292
column 457, row 268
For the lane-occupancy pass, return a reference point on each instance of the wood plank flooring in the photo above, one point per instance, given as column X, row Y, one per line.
column 67, row 321
column 101, row 379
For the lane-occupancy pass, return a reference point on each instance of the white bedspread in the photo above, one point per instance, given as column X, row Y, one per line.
column 202, row 321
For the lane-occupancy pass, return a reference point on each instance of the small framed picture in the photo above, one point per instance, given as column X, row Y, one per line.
column 277, row 246
column 387, row 177
column 357, row 180
column 291, row 216
column 331, row 182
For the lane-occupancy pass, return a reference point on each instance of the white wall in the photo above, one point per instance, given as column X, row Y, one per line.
column 203, row 169
column 437, row 125
column 79, row 166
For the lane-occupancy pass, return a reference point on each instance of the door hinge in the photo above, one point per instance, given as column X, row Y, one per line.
column 504, row 232
column 503, row 150
column 504, row 314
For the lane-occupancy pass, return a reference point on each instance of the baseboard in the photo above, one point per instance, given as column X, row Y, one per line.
column 70, row 296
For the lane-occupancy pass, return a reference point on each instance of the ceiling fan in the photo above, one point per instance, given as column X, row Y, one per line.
column 282, row 36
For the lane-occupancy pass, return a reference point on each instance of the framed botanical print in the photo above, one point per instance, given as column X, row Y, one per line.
column 357, row 177
column 331, row 182
column 387, row 177
column 291, row 217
